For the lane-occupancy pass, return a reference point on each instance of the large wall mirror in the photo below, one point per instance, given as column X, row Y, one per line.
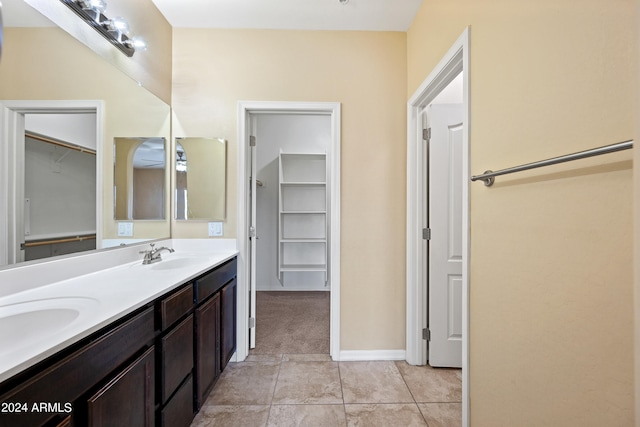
column 43, row 65
column 201, row 170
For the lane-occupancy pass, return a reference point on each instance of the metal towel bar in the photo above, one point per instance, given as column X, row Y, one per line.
column 489, row 176
column 56, row 241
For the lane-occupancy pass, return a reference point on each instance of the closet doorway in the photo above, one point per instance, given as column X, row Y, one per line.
column 288, row 234
column 78, row 125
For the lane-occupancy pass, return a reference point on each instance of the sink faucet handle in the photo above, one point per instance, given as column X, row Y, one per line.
column 148, row 251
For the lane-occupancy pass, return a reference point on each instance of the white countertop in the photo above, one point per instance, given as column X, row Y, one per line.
column 38, row 322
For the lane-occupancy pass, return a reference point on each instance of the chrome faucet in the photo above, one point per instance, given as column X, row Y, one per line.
column 153, row 255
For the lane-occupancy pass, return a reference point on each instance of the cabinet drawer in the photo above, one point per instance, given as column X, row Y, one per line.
column 175, row 306
column 179, row 411
column 177, row 356
column 210, row 283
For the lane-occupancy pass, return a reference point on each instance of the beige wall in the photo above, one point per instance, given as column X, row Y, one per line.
column 366, row 73
column 205, row 178
column 551, row 334
column 152, row 68
column 48, row 64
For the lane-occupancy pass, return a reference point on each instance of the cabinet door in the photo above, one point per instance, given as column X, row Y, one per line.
column 207, row 347
column 228, row 318
column 177, row 357
column 128, row 399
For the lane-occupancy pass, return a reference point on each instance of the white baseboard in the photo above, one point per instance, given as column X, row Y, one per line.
column 362, row 355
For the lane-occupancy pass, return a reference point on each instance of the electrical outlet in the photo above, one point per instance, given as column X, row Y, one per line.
column 125, row 229
column 215, row 229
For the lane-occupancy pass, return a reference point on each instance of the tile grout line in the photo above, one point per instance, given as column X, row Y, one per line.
column 415, row 402
column 344, row 405
column 275, row 384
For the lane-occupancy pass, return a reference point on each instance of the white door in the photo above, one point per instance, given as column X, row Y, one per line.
column 445, row 224
column 252, row 243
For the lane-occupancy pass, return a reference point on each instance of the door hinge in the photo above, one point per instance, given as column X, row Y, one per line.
column 426, row 134
column 426, row 233
column 252, row 322
column 426, row 334
column 252, row 232
column 252, row 141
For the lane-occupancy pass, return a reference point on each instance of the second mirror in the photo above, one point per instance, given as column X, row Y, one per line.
column 201, row 169
column 139, row 177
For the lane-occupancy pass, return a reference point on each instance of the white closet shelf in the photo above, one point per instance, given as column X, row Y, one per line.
column 297, row 212
column 303, row 213
column 303, row 240
column 303, row 267
column 303, row 183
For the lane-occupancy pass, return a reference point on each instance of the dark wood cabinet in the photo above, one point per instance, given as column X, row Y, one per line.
column 175, row 306
column 179, row 411
column 126, row 400
column 154, row 367
column 215, row 325
column 207, row 347
column 212, row 281
column 72, row 374
column 228, row 298
column 177, row 357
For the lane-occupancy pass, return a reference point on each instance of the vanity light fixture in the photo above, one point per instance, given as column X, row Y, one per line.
column 115, row 30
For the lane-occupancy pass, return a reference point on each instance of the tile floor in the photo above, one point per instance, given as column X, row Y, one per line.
column 311, row 390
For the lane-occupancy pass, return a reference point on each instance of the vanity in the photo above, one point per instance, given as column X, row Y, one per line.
column 133, row 344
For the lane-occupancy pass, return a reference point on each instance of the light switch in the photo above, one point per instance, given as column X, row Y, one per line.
column 125, row 229
column 215, row 229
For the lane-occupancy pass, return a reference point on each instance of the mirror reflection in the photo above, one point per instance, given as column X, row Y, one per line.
column 201, row 171
column 58, row 174
column 74, row 80
column 139, row 176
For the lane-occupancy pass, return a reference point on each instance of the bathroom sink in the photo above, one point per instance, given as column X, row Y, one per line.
column 28, row 322
column 170, row 262
column 174, row 263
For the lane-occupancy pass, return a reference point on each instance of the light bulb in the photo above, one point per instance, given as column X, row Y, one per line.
column 98, row 5
column 118, row 24
column 137, row 43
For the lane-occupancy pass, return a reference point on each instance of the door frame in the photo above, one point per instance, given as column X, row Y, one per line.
column 11, row 133
column 454, row 62
column 247, row 110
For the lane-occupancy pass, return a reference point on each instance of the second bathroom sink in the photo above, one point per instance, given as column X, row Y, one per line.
column 26, row 323
column 173, row 263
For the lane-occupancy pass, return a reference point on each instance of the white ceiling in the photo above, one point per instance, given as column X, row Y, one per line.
column 369, row 15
